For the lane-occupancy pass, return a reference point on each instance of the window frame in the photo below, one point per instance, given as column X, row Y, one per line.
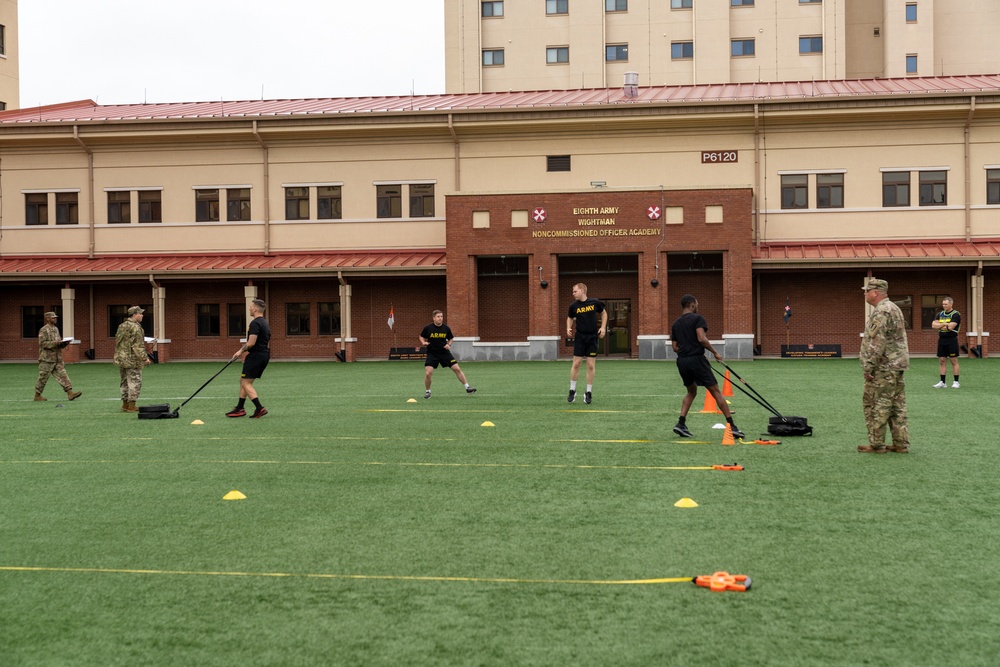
column 797, row 190
column 556, row 7
column 238, row 205
column 389, row 204
column 929, row 312
column 491, row 55
column 119, row 207
column 934, row 187
column 684, row 47
column 328, row 316
column 898, row 186
column 993, row 186
column 612, row 53
column 323, row 199
column 32, row 320
column 150, row 206
column 834, row 190
column 67, row 208
column 618, row 6
column 421, row 200
column 493, row 6
column 301, row 198
column 681, row 4
column 236, row 314
column 207, row 204
column 297, row 318
column 911, row 63
column 118, row 313
column 905, row 304
column 909, row 18
column 208, row 320
column 741, row 3
column 560, row 54
column 743, row 43
column 558, row 163
column 36, row 212
column 812, row 41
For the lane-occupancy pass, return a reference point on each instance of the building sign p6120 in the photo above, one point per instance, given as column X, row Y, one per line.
column 719, row 157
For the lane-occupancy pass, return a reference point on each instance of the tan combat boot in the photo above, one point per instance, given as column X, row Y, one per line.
column 39, row 397
column 124, row 406
column 131, row 407
column 71, row 395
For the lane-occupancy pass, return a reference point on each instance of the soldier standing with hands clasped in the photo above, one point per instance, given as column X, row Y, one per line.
column 130, row 357
column 50, row 361
column 885, row 355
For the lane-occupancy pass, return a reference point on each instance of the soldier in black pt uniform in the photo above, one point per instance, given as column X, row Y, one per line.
column 583, row 313
column 437, row 337
column 256, row 356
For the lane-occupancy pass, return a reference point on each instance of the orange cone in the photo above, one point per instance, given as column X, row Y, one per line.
column 710, row 405
column 727, row 437
column 727, row 386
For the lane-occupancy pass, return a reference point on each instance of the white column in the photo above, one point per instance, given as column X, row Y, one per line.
column 68, row 296
column 249, row 294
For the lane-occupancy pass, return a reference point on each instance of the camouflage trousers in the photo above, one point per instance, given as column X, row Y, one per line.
column 884, row 403
column 54, row 369
column 131, row 383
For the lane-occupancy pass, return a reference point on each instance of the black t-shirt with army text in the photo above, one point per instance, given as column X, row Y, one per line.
column 436, row 336
column 586, row 315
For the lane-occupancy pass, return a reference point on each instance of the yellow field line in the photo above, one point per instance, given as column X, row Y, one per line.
column 370, row 577
column 365, row 463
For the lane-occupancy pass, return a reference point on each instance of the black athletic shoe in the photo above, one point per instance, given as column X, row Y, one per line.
column 470, row 390
column 572, row 396
column 258, row 413
column 587, row 398
column 427, row 394
column 738, row 434
column 237, row 412
column 682, row 430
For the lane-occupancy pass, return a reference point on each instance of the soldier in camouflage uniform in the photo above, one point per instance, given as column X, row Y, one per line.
column 50, row 361
column 884, row 357
column 130, row 357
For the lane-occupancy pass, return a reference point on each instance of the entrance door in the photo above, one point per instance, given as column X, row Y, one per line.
column 618, row 338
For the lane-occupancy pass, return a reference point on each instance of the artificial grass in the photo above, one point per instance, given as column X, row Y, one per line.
column 856, row 559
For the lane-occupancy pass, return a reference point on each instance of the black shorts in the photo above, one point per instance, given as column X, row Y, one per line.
column 585, row 345
column 696, row 370
column 442, row 358
column 253, row 366
column 947, row 347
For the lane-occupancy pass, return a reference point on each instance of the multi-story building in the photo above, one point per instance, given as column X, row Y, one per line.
column 501, row 45
column 10, row 94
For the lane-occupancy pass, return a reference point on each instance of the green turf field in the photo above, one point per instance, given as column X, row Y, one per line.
column 381, row 532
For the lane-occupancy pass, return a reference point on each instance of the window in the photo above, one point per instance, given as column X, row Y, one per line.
column 795, row 191
column 206, row 205
column 616, row 52
column 492, row 9
column 896, row 188
column 328, row 202
column 207, row 319
column 810, row 2
column 933, row 188
column 422, row 200
column 297, row 203
column 238, row 204
column 329, row 318
column 36, row 208
column 492, row 57
column 557, row 54
column 150, row 206
column 118, row 314
column 993, row 186
column 615, row 5
column 680, row 4
column 557, row 163
column 905, row 304
column 930, row 306
column 237, row 316
column 911, row 12
column 911, row 64
column 810, row 45
column 32, row 319
column 3, row 40
column 742, row 47
column 829, row 191
column 67, row 208
column 297, row 319
column 389, row 201
column 119, row 207
column 681, row 50
column 741, row 3
column 557, row 6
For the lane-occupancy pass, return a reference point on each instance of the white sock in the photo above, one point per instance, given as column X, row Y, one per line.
column 466, row 385
column 590, row 388
column 572, row 385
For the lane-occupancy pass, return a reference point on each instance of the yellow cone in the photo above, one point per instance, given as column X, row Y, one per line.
column 197, row 422
column 234, row 495
column 411, row 400
column 487, row 423
column 685, row 502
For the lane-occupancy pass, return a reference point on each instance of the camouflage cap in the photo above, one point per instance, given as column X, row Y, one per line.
column 875, row 283
column 135, row 310
column 51, row 314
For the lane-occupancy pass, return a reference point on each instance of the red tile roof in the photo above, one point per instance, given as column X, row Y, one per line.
column 89, row 111
column 895, row 252
column 352, row 263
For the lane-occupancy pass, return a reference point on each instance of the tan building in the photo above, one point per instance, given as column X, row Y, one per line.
column 10, row 95
column 340, row 211
column 500, row 46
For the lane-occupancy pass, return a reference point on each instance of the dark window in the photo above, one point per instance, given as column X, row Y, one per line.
column 3, row 40
column 328, row 202
column 557, row 54
column 896, row 188
column 810, row 2
column 557, row 163
column 829, row 191
column 905, row 304
column 993, row 186
column 422, row 200
column 206, row 205
column 238, row 204
column 389, row 201
column 743, row 47
column 67, row 208
column 297, row 203
column 493, row 9
column 795, row 191
column 616, row 52
column 36, row 208
column 557, row 6
column 297, row 319
column 32, row 319
column 118, row 314
column 119, row 207
column 150, row 208
column 680, row 4
column 810, row 44
column 237, row 315
column 740, row 3
column 682, row 50
column 329, row 318
column 930, row 306
column 208, row 319
column 493, row 57
column 933, row 188
column 615, row 5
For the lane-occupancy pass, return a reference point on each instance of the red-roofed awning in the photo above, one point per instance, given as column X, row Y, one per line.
column 384, row 262
column 883, row 253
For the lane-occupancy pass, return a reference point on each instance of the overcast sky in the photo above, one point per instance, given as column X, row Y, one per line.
column 129, row 51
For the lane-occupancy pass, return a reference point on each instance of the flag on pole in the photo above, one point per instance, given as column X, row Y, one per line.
column 392, row 318
column 788, row 310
